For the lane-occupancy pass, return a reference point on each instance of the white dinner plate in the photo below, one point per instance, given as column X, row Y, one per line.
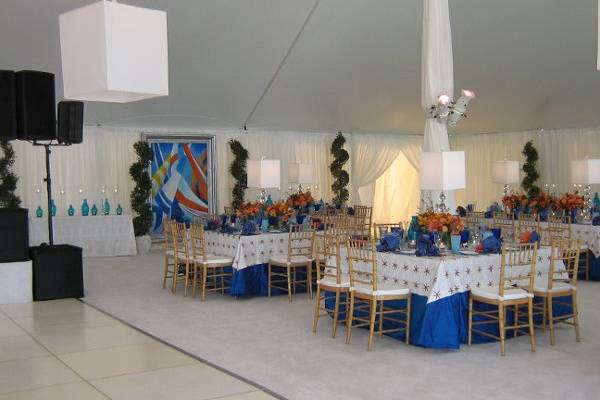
column 469, row 253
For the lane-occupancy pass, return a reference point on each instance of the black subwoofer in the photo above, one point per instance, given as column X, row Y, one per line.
column 70, row 122
column 57, row 272
column 14, row 235
column 8, row 111
column 36, row 107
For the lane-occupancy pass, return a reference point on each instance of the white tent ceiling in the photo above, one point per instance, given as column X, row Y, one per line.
column 356, row 66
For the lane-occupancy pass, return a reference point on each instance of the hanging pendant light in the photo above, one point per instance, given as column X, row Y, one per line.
column 114, row 53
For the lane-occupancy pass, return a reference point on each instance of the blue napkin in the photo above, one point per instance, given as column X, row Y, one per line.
column 535, row 238
column 489, row 214
column 389, row 242
column 223, row 219
column 210, row 225
column 596, row 221
column 426, row 248
column 491, row 245
column 249, row 229
column 350, row 211
column 300, row 218
column 460, row 210
column 227, row 229
column 397, row 231
column 465, row 235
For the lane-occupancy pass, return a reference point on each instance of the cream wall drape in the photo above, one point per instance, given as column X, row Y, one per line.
column 103, row 159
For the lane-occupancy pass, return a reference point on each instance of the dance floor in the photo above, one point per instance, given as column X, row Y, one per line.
column 270, row 343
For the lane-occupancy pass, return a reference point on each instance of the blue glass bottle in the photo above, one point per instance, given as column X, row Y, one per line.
column 596, row 202
column 94, row 210
column 71, row 210
column 53, row 208
column 119, row 210
column 413, row 229
column 39, row 212
column 85, row 208
column 106, row 207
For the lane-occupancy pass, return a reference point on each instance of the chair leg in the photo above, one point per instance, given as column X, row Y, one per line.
column 309, row 279
column 289, row 283
column 336, row 311
column 516, row 319
column 545, row 314
column 551, row 319
column 204, row 273
column 166, row 271
column 576, row 316
column 408, row 307
column 194, row 280
column 269, row 279
column 175, row 275
column 317, row 309
column 187, row 278
column 587, row 265
column 222, row 280
column 372, row 315
column 502, row 329
column 470, row 330
column 349, row 319
column 381, row 319
column 530, row 317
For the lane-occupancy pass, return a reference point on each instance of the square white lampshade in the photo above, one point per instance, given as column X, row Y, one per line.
column 301, row 173
column 505, row 172
column 585, row 172
column 114, row 52
column 264, row 174
column 443, row 170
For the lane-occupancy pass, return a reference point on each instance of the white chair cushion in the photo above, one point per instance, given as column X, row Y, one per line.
column 383, row 289
column 294, row 260
column 491, row 292
column 180, row 254
column 331, row 281
column 557, row 287
column 210, row 259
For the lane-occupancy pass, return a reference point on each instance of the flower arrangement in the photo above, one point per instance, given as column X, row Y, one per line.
column 441, row 222
column 569, row 202
column 300, row 200
column 277, row 209
column 541, row 202
column 515, row 200
column 250, row 209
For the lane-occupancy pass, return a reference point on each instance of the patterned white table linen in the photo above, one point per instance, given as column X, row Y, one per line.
column 439, row 277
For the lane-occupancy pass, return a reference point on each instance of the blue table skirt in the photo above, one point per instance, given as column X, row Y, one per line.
column 441, row 324
column 594, row 267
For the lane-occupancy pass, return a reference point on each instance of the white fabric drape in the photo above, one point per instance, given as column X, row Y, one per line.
column 103, row 159
column 437, row 74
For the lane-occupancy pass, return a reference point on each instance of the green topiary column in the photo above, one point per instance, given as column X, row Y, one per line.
column 8, row 179
column 531, row 173
column 140, row 195
column 341, row 177
column 238, row 170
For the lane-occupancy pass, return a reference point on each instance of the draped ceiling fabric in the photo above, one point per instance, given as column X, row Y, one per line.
column 437, row 76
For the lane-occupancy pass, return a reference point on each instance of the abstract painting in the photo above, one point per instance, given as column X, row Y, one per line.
column 182, row 179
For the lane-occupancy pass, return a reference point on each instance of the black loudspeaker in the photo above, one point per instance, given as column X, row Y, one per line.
column 57, row 272
column 70, row 122
column 36, row 109
column 8, row 116
column 14, row 235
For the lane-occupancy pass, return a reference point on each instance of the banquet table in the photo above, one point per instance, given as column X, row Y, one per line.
column 440, row 288
column 98, row 236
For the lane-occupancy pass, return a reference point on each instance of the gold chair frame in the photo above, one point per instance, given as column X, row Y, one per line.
column 377, row 229
column 177, row 254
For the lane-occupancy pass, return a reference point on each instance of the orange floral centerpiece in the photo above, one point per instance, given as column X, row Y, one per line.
column 278, row 213
column 441, row 222
column 541, row 202
column 515, row 200
column 250, row 209
column 300, row 200
column 569, row 202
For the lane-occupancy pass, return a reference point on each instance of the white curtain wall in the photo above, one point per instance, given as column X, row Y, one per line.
column 383, row 167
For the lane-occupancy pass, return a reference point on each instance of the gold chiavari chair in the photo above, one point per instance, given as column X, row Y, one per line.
column 210, row 268
column 380, row 230
column 474, row 219
column 527, row 223
column 562, row 282
column 177, row 254
column 330, row 278
column 299, row 255
column 503, row 215
column 506, row 225
column 515, row 288
column 554, row 230
column 363, row 218
column 365, row 288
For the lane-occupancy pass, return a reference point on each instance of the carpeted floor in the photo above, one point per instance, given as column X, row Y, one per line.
column 270, row 342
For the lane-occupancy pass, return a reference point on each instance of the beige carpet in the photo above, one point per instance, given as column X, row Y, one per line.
column 270, row 342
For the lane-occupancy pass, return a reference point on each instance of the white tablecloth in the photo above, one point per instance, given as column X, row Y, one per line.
column 98, row 236
column 439, row 277
column 247, row 250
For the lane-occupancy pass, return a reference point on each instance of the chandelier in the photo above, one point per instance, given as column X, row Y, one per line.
column 448, row 111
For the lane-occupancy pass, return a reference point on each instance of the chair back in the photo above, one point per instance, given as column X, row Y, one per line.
column 168, row 235
column 179, row 240
column 474, row 219
column 229, row 210
column 555, row 230
column 198, row 242
column 564, row 258
column 529, row 217
column 327, row 255
column 506, row 226
column 362, row 252
column 517, row 267
column 503, row 215
column 363, row 217
column 380, row 230
column 300, row 242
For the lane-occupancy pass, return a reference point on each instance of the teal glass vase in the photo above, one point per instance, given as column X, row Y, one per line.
column 39, row 212
column 596, row 202
column 94, row 210
column 52, row 208
column 413, row 229
column 119, row 210
column 85, row 208
column 106, row 207
column 71, row 210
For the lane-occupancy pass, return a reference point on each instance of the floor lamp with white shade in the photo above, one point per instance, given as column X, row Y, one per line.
column 264, row 174
column 443, row 171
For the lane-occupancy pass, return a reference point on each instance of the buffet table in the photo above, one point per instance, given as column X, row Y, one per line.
column 98, row 236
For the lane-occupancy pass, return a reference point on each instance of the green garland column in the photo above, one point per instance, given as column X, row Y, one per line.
column 531, row 173
column 140, row 195
column 237, row 169
column 341, row 177
column 8, row 179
